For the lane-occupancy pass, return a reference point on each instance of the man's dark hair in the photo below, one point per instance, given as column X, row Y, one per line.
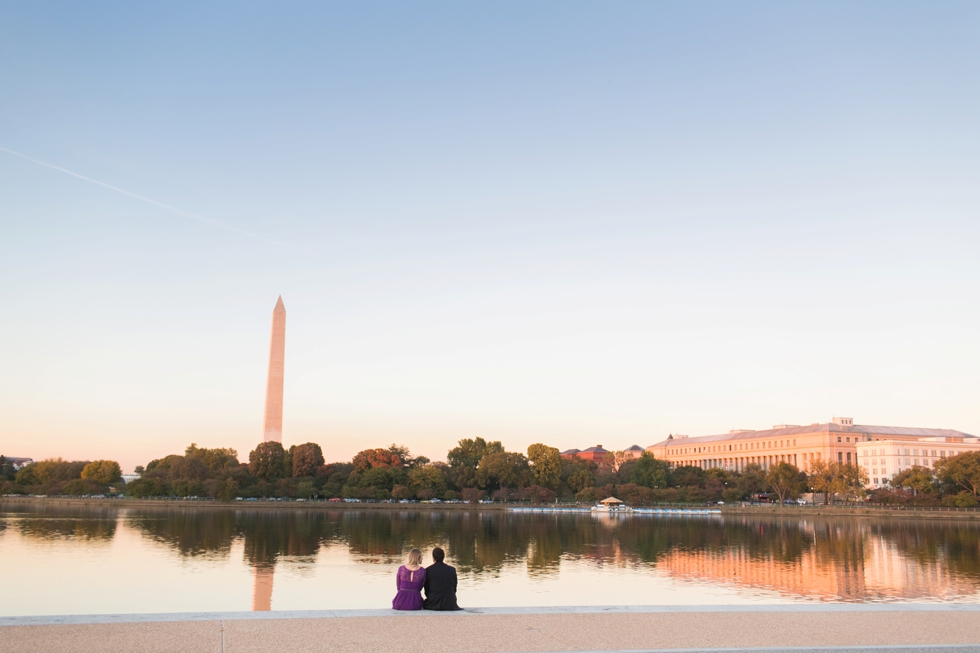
column 438, row 554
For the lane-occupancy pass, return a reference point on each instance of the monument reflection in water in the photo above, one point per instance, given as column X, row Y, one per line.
column 778, row 559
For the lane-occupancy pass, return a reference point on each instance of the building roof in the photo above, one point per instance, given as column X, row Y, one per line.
column 635, row 447
column 814, row 428
column 596, row 449
column 569, row 452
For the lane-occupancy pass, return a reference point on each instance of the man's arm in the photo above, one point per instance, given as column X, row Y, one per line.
column 455, row 580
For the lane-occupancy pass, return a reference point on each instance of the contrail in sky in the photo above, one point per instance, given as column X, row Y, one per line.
column 167, row 207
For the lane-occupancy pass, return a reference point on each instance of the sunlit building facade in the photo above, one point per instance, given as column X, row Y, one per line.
column 801, row 446
column 883, row 459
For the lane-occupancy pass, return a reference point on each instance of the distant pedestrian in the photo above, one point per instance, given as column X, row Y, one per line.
column 440, row 584
column 409, row 581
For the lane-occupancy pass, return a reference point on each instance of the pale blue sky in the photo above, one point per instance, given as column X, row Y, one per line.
column 575, row 223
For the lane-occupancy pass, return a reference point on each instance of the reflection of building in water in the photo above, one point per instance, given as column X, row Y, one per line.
column 262, row 589
column 881, row 571
column 798, row 445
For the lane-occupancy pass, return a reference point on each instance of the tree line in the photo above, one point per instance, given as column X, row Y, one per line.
column 475, row 470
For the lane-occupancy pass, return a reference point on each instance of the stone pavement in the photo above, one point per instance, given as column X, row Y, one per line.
column 798, row 628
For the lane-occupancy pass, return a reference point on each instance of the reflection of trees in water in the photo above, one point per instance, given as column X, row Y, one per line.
column 267, row 534
column 46, row 522
column 189, row 531
column 954, row 544
column 272, row 534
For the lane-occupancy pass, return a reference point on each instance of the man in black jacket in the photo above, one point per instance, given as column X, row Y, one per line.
column 440, row 584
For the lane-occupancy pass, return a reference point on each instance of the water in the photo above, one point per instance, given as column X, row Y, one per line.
column 78, row 560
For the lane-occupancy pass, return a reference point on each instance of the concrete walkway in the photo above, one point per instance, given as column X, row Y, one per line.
column 798, row 628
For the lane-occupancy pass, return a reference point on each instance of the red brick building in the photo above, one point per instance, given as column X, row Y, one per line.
column 597, row 454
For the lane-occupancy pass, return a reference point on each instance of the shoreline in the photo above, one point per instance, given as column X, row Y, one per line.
column 795, row 512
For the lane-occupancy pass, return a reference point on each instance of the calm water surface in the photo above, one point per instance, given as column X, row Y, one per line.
column 65, row 560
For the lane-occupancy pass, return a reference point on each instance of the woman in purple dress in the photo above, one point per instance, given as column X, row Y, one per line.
column 409, row 581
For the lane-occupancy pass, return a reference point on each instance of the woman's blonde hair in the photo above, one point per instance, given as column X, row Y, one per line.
column 415, row 557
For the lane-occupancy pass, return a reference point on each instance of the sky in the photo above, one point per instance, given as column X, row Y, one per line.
column 560, row 222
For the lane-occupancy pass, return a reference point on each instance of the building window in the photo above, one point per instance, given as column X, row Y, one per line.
column 848, row 438
column 933, row 453
column 838, row 438
column 906, row 452
column 840, row 457
column 848, row 457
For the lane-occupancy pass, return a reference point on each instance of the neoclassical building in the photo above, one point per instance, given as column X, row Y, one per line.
column 883, row 458
column 835, row 441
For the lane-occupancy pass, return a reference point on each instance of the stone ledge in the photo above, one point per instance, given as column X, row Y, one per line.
column 787, row 608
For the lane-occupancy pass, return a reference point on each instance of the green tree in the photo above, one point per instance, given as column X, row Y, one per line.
column 7, row 472
column 148, row 487
column 53, row 470
column 853, row 481
column 786, row 481
column 429, row 479
column 823, row 478
column 545, row 464
column 407, row 459
column 751, row 481
column 306, row 459
column 267, row 461
column 503, row 470
column 687, row 476
column 305, row 489
column 964, row 499
column 580, row 480
column 103, row 471
column 464, row 458
column 962, row 470
column 188, row 468
column 920, row 479
column 650, row 472
column 28, row 475
column 216, row 460
column 228, row 490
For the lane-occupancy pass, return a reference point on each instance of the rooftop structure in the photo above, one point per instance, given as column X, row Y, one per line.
column 633, row 452
column 18, row 463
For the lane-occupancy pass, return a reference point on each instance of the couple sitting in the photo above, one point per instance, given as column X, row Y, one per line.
column 438, row 581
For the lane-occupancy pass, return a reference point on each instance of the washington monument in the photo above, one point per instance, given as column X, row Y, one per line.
column 277, row 360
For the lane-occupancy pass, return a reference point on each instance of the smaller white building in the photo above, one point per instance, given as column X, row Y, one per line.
column 883, row 459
